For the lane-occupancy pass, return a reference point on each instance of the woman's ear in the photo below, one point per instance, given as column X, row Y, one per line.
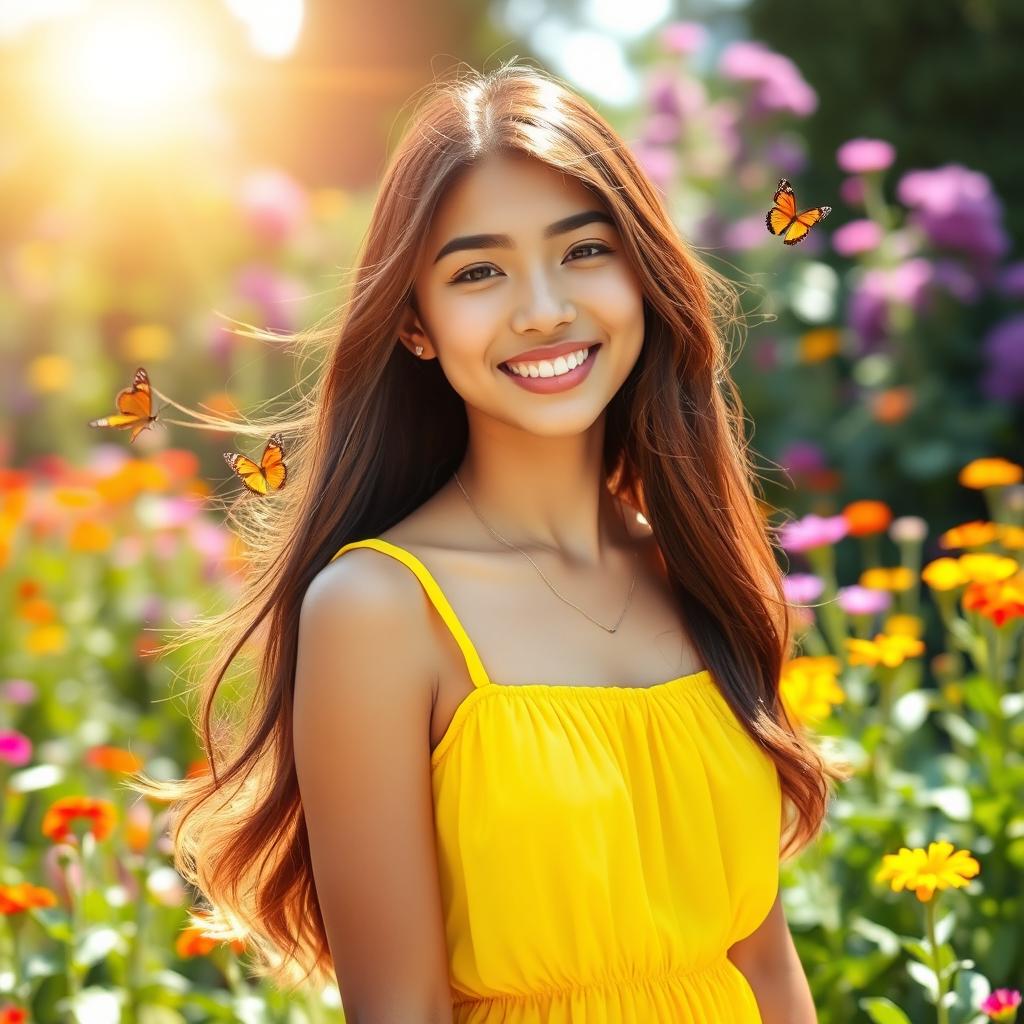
column 413, row 336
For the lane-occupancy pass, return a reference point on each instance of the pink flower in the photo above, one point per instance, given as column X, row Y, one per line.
column 777, row 83
column 18, row 691
column 273, row 203
column 852, row 191
column 856, row 237
column 813, row 531
column 1002, row 1004
column 859, row 156
column 858, row 600
column 15, row 748
column 802, row 587
column 658, row 162
column 683, row 37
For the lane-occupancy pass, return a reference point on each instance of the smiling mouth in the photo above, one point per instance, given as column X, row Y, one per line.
column 506, row 369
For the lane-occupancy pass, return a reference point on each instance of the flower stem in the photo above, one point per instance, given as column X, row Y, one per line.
column 942, row 1009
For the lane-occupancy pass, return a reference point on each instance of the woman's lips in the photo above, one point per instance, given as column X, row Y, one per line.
column 562, row 382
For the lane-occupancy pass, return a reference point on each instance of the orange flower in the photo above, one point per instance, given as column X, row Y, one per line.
column 892, row 405
column 194, row 940
column 969, row 535
column 998, row 600
column 1010, row 536
column 90, row 535
column 198, row 767
column 11, row 1014
column 22, row 896
column 983, row 473
column 178, row 463
column 113, row 759
column 57, row 822
column 867, row 517
column 27, row 589
column 819, row 344
column 897, row 577
column 38, row 611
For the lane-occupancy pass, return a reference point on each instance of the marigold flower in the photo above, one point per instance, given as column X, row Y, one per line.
column 969, row 535
column 897, row 577
column 944, row 574
column 1002, row 1004
column 904, row 624
column 990, row 473
column 22, row 896
column 1000, row 600
column 113, row 759
column 866, row 517
column 890, row 650
column 1011, row 537
column 38, row 611
column 61, row 815
column 809, row 687
column 924, row 871
column 983, row 567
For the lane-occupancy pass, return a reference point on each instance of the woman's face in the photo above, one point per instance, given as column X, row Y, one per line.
column 522, row 257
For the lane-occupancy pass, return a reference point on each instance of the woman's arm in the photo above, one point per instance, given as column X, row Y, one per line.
column 363, row 693
column 769, row 962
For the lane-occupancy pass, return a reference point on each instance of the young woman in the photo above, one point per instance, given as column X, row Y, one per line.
column 516, row 752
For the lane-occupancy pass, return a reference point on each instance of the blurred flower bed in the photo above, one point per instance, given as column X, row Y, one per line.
column 891, row 375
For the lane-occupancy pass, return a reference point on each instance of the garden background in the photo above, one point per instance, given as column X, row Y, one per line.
column 171, row 171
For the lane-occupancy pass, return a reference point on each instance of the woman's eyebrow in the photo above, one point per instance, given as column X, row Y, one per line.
column 575, row 220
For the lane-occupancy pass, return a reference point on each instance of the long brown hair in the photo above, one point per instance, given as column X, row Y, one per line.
column 379, row 433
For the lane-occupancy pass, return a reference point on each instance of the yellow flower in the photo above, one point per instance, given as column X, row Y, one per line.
column 969, row 535
column 890, row 650
column 904, row 625
column 809, row 687
column 898, row 577
column 51, row 639
column 49, row 374
column 983, row 567
column 924, row 871
column 75, row 497
column 146, row 343
column 990, row 473
column 944, row 574
column 818, row 345
column 1010, row 536
column 90, row 535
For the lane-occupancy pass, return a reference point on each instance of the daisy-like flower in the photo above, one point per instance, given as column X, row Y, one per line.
column 924, row 871
column 1002, row 1004
column 809, row 687
column 63, row 813
column 983, row 567
column 999, row 601
column 22, row 896
column 887, row 649
column 944, row 574
column 969, row 535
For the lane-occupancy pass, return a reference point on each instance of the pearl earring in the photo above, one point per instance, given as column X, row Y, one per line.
column 419, row 350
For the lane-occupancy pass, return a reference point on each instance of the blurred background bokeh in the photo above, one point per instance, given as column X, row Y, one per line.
column 174, row 171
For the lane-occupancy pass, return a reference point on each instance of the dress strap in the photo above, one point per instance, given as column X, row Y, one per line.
column 476, row 669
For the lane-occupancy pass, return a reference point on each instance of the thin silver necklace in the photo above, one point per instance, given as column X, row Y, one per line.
column 508, row 543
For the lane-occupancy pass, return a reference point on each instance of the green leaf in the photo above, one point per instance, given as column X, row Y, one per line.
column 883, row 1011
column 925, row 977
column 97, row 944
column 887, row 941
column 944, row 927
column 959, row 728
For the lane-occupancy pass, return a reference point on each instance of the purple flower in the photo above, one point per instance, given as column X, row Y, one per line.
column 658, row 162
column 683, row 37
column 778, row 85
column 274, row 204
column 803, row 587
column 859, row 156
column 857, row 237
column 1003, row 378
column 868, row 306
column 18, row 691
column 802, row 457
column 15, row 748
column 786, row 154
column 1011, row 280
column 852, row 191
column 952, row 276
column 858, row 600
column 956, row 208
column 813, row 531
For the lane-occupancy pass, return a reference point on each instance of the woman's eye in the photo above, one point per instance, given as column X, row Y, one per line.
column 596, row 246
column 466, row 274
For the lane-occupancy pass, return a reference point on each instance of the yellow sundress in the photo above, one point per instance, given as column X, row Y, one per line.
column 599, row 847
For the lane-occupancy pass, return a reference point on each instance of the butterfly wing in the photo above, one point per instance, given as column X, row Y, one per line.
column 247, row 471
column 803, row 223
column 781, row 215
column 134, row 407
column 275, row 472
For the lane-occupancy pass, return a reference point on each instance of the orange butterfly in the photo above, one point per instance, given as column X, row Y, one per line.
column 782, row 218
column 269, row 474
column 134, row 407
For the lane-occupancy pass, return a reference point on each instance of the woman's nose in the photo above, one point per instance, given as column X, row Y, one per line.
column 543, row 307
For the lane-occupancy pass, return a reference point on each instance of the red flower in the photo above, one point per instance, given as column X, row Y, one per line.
column 61, row 814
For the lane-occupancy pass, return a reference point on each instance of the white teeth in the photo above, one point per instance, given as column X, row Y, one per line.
column 550, row 367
